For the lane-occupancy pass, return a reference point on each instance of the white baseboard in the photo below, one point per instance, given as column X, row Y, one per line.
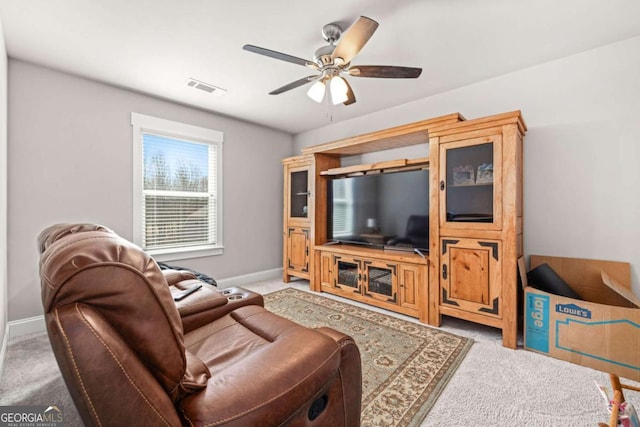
column 250, row 278
column 3, row 349
column 30, row 325
column 18, row 328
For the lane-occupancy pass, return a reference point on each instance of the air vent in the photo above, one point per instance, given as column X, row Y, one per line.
column 206, row 87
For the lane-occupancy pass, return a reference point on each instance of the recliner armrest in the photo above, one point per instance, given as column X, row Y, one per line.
column 201, row 306
column 209, row 303
column 174, row 276
column 350, row 373
column 204, row 299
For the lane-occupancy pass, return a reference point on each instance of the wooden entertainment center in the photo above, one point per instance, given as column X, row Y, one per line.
column 475, row 222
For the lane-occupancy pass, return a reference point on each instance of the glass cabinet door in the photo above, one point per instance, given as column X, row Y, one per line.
column 348, row 277
column 299, row 194
column 471, row 183
column 380, row 281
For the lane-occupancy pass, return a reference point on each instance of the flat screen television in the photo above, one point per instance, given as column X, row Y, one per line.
column 388, row 210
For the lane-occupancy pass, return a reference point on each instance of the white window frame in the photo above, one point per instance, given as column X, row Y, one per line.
column 147, row 124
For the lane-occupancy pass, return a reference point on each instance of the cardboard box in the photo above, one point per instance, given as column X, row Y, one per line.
column 602, row 332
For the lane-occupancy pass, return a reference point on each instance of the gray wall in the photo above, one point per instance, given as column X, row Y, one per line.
column 69, row 155
column 3, row 193
column 581, row 151
column 70, row 159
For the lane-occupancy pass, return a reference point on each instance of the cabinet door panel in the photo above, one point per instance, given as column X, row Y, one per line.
column 409, row 283
column 471, row 275
column 325, row 270
column 380, row 280
column 298, row 249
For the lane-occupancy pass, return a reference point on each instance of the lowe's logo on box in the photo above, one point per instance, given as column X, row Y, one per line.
column 573, row 310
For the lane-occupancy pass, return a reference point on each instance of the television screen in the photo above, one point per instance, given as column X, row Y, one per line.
column 386, row 209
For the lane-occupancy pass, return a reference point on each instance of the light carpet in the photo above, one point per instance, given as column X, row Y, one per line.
column 493, row 386
column 31, row 377
column 405, row 366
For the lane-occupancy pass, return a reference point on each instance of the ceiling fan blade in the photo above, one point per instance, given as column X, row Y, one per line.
column 294, row 85
column 385, row 71
column 354, row 39
column 279, row 55
column 351, row 98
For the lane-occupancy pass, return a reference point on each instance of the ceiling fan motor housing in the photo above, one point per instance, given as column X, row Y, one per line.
column 331, row 33
column 323, row 57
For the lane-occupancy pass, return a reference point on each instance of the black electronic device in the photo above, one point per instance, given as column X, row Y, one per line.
column 179, row 294
column 388, row 210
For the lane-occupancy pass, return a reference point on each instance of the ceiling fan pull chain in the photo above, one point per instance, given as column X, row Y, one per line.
column 329, row 104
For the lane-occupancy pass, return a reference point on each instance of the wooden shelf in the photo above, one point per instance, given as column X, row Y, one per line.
column 475, row 184
column 379, row 167
column 375, row 252
column 495, row 122
column 399, row 136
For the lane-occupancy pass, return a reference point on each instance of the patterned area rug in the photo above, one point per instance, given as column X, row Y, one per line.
column 405, row 366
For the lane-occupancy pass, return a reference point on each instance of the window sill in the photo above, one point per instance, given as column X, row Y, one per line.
column 174, row 254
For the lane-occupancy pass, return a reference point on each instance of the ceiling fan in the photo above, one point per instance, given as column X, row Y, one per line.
column 332, row 60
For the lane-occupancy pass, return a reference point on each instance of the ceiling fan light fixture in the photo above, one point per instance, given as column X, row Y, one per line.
column 339, row 89
column 316, row 91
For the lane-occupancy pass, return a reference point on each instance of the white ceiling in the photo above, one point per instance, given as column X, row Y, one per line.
column 154, row 46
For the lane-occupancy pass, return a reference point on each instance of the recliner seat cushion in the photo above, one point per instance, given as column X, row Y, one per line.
column 294, row 360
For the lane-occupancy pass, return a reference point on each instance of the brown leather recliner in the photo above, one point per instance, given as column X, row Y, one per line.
column 118, row 339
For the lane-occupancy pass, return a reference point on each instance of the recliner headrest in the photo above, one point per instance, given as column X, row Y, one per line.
column 50, row 234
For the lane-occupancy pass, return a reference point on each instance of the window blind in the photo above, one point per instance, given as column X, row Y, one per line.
column 179, row 192
column 342, row 208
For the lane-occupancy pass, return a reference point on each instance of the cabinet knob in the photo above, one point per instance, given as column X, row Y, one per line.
column 444, row 271
column 441, row 185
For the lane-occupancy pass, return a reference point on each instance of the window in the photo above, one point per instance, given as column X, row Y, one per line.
column 343, row 221
column 177, row 188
